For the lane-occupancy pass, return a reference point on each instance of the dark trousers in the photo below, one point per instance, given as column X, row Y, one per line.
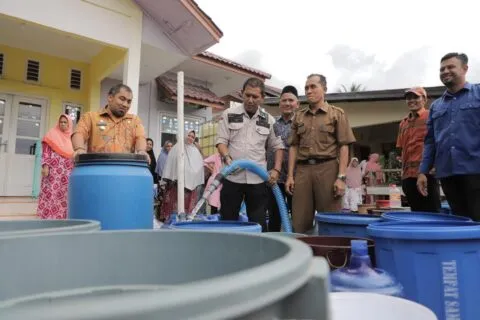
column 416, row 201
column 463, row 195
column 256, row 200
column 274, row 221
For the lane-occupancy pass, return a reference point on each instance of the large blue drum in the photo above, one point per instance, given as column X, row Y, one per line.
column 113, row 188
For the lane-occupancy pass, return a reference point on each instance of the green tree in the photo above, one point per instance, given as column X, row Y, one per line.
column 354, row 87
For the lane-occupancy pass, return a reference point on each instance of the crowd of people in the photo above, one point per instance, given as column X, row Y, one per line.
column 306, row 152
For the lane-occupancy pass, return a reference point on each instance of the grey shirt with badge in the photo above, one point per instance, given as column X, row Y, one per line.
column 248, row 138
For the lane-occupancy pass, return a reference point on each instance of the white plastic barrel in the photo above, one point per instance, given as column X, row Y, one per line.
column 372, row 306
column 9, row 228
column 153, row 274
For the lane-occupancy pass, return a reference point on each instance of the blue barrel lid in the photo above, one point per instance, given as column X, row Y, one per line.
column 426, row 230
column 210, row 225
column 110, row 157
column 421, row 216
column 347, row 218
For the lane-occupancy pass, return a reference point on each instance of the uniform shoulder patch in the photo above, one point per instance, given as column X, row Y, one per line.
column 337, row 109
column 235, row 118
column 263, row 122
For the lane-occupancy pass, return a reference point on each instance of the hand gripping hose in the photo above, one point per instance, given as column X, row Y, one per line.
column 251, row 166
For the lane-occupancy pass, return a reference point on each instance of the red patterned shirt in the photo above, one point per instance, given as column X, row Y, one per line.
column 411, row 135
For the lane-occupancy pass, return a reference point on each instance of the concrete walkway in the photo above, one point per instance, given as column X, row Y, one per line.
column 18, row 208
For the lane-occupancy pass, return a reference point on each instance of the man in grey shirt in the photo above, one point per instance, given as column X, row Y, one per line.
column 245, row 132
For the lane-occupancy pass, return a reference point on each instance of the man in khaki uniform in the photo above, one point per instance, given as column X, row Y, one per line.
column 245, row 132
column 112, row 129
column 319, row 145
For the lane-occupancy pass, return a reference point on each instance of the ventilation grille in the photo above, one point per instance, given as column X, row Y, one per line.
column 1, row 64
column 75, row 79
column 33, row 70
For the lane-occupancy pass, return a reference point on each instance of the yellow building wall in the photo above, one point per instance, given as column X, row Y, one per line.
column 101, row 66
column 54, row 83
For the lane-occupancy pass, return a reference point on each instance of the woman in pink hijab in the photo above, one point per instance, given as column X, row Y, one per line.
column 373, row 175
column 373, row 170
column 57, row 164
column 353, row 194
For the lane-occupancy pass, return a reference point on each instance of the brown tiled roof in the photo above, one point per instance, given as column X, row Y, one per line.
column 270, row 92
column 230, row 63
column 192, row 91
column 273, row 90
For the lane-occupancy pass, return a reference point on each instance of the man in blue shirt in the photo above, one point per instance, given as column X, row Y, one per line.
column 288, row 104
column 452, row 143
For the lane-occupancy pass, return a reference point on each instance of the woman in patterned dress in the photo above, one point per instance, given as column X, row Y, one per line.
column 57, row 164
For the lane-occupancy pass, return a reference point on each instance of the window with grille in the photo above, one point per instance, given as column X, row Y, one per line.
column 75, row 79
column 33, row 71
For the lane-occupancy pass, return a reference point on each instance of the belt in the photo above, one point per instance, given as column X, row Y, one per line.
column 315, row 160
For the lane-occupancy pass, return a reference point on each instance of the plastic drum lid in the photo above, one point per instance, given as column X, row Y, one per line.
column 208, row 225
column 432, row 230
column 346, row 218
column 421, row 216
column 371, row 306
column 110, row 157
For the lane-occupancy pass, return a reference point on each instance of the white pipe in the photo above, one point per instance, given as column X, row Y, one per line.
column 181, row 146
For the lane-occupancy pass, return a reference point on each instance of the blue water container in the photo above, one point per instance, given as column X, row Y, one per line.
column 413, row 216
column 113, row 188
column 445, row 208
column 437, row 263
column 344, row 224
column 224, row 226
column 360, row 276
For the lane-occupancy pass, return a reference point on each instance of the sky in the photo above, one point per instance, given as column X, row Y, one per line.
column 378, row 44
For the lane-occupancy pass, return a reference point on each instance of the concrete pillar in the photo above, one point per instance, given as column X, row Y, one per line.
column 131, row 65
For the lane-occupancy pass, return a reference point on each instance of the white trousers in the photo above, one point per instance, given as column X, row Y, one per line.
column 352, row 198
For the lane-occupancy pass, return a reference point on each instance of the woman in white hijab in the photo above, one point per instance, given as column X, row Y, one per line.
column 194, row 176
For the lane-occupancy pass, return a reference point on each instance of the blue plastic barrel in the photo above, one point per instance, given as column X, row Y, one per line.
column 113, row 188
column 224, row 226
column 344, row 224
column 414, row 216
column 436, row 262
column 445, row 208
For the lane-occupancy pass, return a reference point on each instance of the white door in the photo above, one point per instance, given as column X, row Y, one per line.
column 22, row 126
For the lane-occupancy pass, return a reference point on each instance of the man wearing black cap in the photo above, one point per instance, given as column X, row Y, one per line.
column 282, row 127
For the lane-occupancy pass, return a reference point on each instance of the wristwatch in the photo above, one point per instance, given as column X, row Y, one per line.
column 342, row 177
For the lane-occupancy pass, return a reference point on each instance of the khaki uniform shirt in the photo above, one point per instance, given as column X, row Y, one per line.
column 319, row 135
column 105, row 134
column 248, row 138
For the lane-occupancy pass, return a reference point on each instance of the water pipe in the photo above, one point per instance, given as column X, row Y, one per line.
column 251, row 166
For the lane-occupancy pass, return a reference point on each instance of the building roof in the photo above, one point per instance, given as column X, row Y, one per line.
column 230, row 63
column 272, row 91
column 376, row 95
column 194, row 93
column 207, row 18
